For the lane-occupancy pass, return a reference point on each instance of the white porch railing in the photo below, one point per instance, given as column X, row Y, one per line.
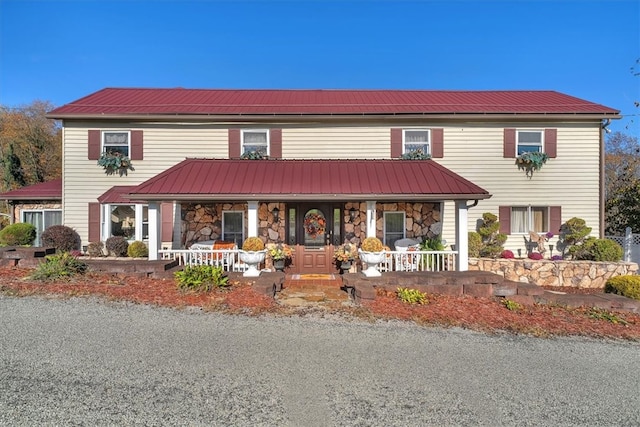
column 229, row 259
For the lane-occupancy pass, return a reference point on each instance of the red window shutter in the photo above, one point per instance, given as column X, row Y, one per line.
column 234, row 144
column 504, row 217
column 94, row 222
column 396, row 143
column 437, row 143
column 550, row 142
column 275, row 143
column 509, row 147
column 136, row 145
column 555, row 219
column 94, row 144
column 166, row 226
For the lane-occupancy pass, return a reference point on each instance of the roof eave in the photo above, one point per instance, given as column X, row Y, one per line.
column 283, row 117
column 304, row 197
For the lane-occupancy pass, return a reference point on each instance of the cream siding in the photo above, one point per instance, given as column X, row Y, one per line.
column 472, row 150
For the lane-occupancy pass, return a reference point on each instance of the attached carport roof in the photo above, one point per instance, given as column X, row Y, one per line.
column 275, row 180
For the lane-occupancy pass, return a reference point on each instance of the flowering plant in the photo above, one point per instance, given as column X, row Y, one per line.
column 314, row 224
column 115, row 161
column 346, row 252
column 279, row 251
column 549, row 235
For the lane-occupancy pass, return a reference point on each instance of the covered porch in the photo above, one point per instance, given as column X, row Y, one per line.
column 311, row 205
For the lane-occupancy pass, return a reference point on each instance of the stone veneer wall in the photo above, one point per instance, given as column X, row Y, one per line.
column 32, row 206
column 422, row 220
column 577, row 274
column 204, row 221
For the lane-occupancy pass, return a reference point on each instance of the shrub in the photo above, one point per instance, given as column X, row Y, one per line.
column 201, row 278
column 597, row 250
column 412, row 296
column 61, row 237
column 557, row 258
column 507, row 254
column 137, row 249
column 252, row 244
column 572, row 235
column 492, row 239
column 19, row 234
column 627, row 286
column 475, row 243
column 95, row 249
column 535, row 256
column 117, row 246
column 59, row 266
column 372, row 244
column 511, row 305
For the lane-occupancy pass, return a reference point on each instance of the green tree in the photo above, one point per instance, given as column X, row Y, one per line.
column 622, row 184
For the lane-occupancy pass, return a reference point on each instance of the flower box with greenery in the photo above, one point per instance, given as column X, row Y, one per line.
column 279, row 251
column 531, row 161
column 345, row 253
column 115, row 162
column 418, row 154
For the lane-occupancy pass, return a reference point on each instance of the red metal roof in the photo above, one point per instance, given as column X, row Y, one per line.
column 50, row 190
column 179, row 101
column 114, row 195
column 224, row 179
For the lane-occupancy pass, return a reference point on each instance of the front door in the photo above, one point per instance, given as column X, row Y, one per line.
column 316, row 228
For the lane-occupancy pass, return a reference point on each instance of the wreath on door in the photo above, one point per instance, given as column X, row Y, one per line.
column 314, row 224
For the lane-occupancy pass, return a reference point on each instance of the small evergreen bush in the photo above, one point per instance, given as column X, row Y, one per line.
column 137, row 249
column 117, row 246
column 492, row 239
column 95, row 249
column 59, row 266
column 627, row 286
column 597, row 250
column 61, row 237
column 475, row 243
column 201, row 278
column 18, row 234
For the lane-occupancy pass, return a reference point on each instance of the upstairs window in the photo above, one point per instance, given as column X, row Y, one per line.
column 529, row 141
column 255, row 141
column 113, row 142
column 416, row 140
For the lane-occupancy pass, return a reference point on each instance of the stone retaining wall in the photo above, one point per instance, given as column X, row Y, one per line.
column 577, row 274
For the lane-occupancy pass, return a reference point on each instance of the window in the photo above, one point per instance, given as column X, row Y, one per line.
column 393, row 227
column 128, row 221
column 529, row 218
column 528, row 141
column 113, row 142
column 233, row 227
column 41, row 220
column 416, row 139
column 255, row 141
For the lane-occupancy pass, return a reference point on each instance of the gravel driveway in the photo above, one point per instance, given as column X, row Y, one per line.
column 87, row 362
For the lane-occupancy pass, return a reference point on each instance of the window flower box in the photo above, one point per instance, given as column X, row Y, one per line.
column 115, row 162
column 531, row 161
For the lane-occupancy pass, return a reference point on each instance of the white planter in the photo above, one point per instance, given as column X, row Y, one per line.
column 371, row 259
column 253, row 259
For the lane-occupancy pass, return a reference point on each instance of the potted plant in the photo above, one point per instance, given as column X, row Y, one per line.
column 252, row 254
column 531, row 161
column 372, row 253
column 115, row 162
column 279, row 253
column 344, row 255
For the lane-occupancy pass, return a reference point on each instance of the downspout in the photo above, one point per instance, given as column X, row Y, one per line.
column 601, row 183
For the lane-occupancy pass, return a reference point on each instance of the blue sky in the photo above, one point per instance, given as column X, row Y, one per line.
column 62, row 50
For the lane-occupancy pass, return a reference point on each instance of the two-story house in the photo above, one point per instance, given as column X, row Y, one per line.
column 333, row 166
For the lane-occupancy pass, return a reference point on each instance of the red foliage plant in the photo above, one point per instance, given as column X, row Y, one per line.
column 535, row 256
column 507, row 254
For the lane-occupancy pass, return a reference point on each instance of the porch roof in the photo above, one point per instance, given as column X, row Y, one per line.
column 116, row 195
column 274, row 180
column 50, row 190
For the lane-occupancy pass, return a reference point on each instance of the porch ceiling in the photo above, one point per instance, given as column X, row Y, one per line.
column 274, row 180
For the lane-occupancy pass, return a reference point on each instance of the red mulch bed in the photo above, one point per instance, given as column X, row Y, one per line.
column 484, row 314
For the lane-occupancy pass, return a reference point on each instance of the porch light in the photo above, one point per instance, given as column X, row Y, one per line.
column 352, row 214
column 276, row 215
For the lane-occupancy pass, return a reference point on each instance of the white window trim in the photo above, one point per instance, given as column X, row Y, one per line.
column 102, row 137
column 384, row 224
column 529, row 209
column 23, row 211
column 223, row 223
column 105, row 220
column 404, row 138
column 266, row 131
column 540, row 131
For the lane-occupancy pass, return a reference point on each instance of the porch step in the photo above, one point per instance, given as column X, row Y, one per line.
column 307, row 292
